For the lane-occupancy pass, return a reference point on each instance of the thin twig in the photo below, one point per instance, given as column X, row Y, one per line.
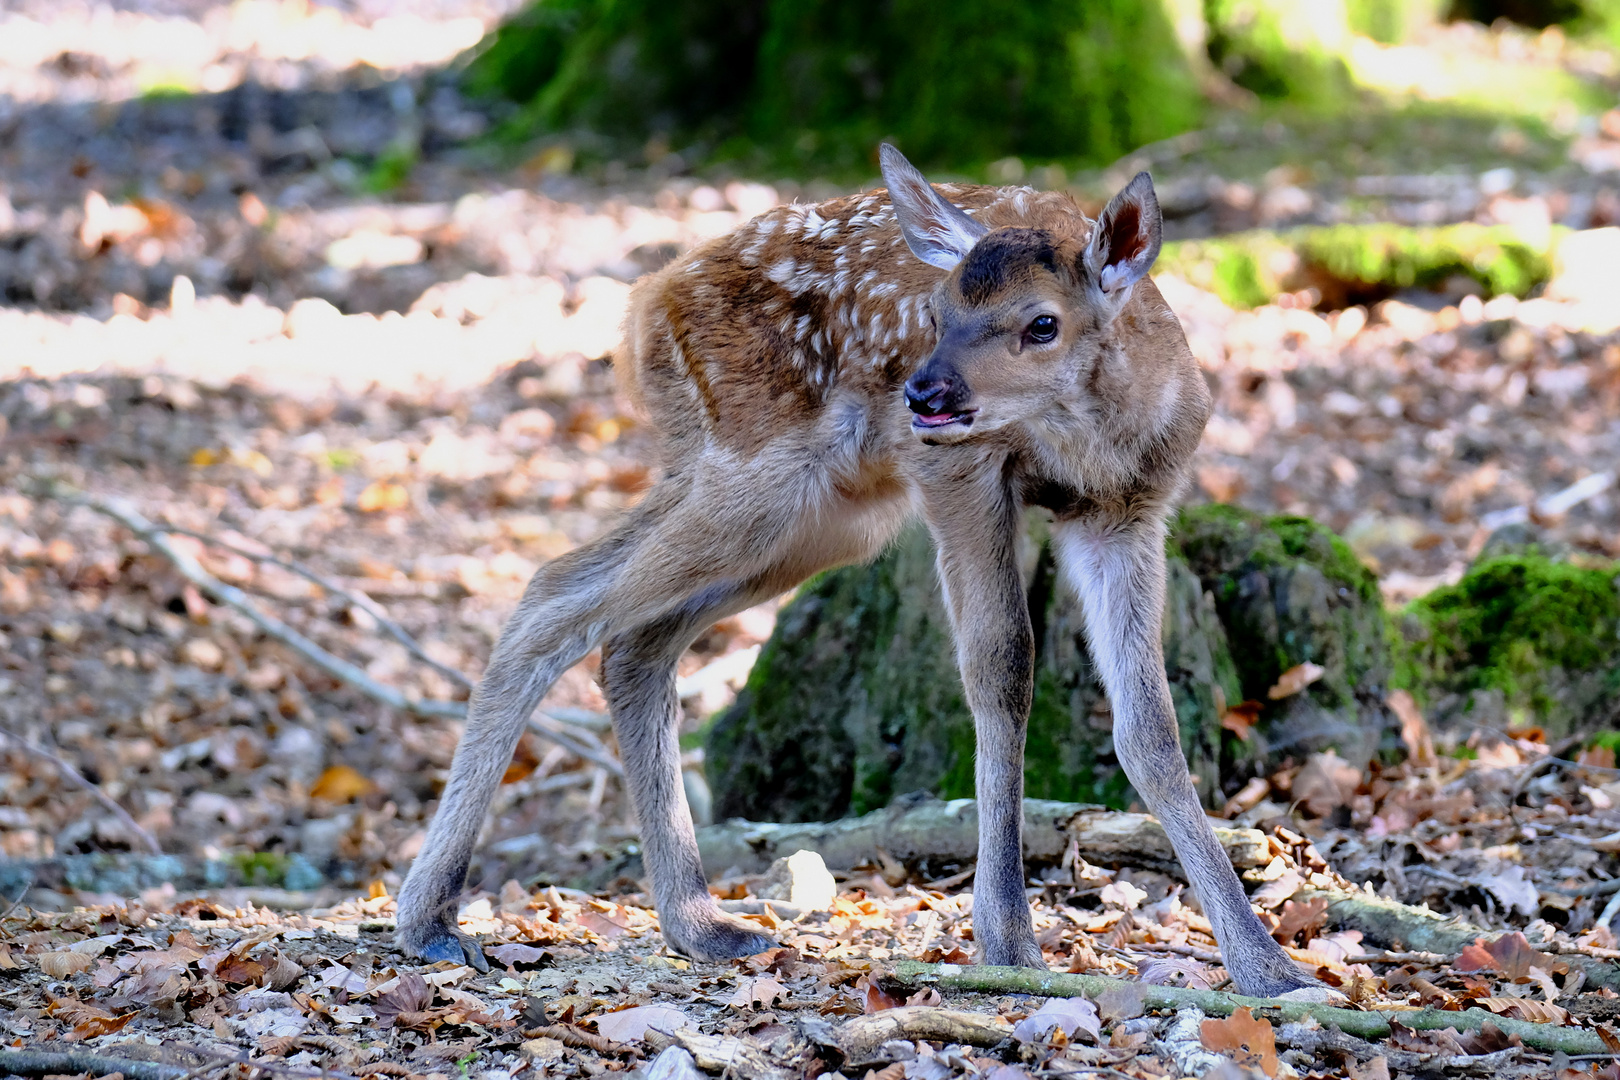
column 354, row 596
column 107, row 801
column 579, row 743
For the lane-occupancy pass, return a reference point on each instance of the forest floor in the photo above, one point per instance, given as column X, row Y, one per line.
column 223, row 310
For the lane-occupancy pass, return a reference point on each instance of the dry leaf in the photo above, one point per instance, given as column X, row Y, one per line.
column 760, row 990
column 1415, row 734
column 411, row 995
column 64, row 962
column 1178, row 971
column 1240, row 718
column 1374, row 1069
column 1295, row 679
column 874, row 997
column 1537, row 1012
column 1513, row 891
column 514, row 953
column 340, row 784
column 1245, row 1040
column 240, row 971
column 1297, row 920
column 632, row 1025
column 1073, row 1016
column 1122, row 1002
column 1325, row 782
column 381, row 496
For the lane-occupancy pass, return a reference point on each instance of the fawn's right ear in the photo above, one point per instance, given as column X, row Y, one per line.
column 937, row 232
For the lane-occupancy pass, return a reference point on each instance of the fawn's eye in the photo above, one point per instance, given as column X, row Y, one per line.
column 1042, row 328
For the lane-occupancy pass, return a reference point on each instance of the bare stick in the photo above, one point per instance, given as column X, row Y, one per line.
column 579, row 743
column 910, row 975
column 107, row 801
column 354, row 596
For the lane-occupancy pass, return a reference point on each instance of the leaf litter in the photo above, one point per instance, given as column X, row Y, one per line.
column 431, row 505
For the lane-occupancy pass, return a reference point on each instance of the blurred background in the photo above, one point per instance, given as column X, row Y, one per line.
column 340, row 280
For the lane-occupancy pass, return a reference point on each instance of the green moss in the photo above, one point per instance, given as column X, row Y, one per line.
column 1357, row 262
column 1540, row 637
column 1281, row 48
column 266, row 868
column 822, row 82
column 1288, row 592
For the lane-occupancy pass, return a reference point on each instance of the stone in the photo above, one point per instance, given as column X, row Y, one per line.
column 803, row 880
column 856, row 700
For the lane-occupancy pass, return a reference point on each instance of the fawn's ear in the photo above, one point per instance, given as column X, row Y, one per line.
column 936, row 232
column 1125, row 241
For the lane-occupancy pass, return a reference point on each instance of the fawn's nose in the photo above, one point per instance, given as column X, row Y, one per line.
column 926, row 393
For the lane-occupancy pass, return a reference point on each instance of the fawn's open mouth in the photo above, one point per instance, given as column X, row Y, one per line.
column 923, row 421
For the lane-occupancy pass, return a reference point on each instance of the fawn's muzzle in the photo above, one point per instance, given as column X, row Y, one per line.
column 938, row 397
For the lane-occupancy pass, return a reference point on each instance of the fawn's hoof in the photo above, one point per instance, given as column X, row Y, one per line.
column 716, row 937
column 442, row 941
column 1023, row 953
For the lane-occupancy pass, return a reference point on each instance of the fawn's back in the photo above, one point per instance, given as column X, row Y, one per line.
column 758, row 332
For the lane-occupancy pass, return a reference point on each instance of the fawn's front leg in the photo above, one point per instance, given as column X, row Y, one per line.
column 977, row 535
column 1117, row 567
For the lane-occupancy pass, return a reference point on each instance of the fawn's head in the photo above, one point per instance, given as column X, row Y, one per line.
column 1023, row 314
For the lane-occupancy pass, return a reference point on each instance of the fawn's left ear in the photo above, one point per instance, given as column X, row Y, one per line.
column 1125, row 241
column 936, row 231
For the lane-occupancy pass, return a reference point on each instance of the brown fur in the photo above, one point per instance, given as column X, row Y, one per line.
column 778, row 363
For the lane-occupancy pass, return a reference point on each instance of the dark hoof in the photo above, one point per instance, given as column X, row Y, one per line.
column 721, row 939
column 444, row 944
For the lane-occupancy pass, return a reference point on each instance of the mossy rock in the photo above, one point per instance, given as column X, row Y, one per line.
column 1361, row 263
column 1290, row 592
column 1522, row 639
column 856, row 699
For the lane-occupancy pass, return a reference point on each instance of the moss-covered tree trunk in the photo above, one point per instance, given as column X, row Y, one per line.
column 856, row 698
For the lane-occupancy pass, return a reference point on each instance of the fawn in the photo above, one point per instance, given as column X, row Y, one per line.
column 818, row 376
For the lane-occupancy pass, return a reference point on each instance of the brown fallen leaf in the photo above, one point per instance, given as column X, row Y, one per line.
column 1325, row 782
column 1537, row 1012
column 1415, row 734
column 1295, row 679
column 341, row 784
column 88, row 1019
column 1373, row 1069
column 1240, row 718
column 1301, row 921
column 64, row 962
column 874, row 997
column 383, row 497
column 240, row 971
column 1245, row 1040
column 757, row 991
column 411, row 995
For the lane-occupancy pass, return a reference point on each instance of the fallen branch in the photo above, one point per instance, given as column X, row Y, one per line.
column 581, row 744
column 910, row 975
column 919, row 830
column 1401, row 926
column 354, row 596
column 861, row 1039
column 1321, row 1041
column 107, row 801
column 77, row 1063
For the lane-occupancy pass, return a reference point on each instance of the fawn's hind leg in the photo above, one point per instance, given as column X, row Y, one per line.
column 638, row 675
column 666, row 548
